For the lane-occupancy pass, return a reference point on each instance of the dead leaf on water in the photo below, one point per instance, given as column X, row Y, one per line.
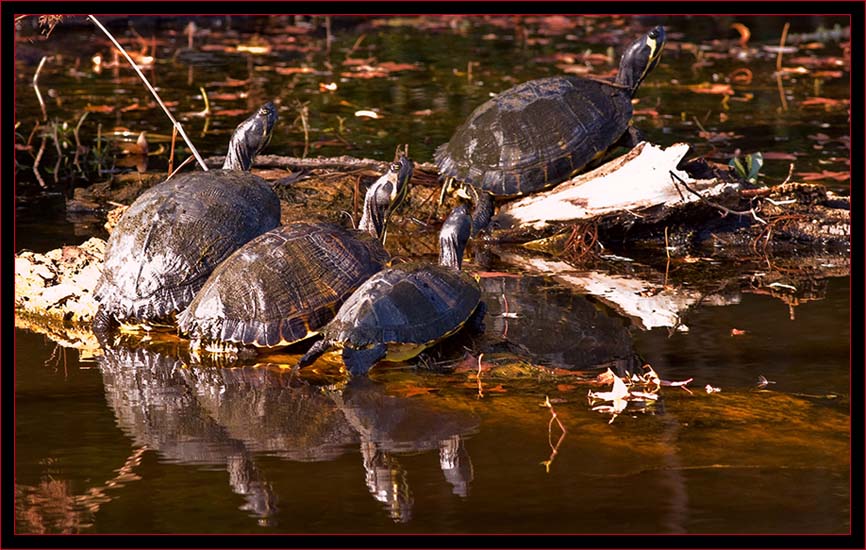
column 294, row 70
column 99, row 109
column 824, row 101
column 824, row 175
column 710, row 88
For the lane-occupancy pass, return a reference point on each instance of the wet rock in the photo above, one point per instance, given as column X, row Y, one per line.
column 59, row 284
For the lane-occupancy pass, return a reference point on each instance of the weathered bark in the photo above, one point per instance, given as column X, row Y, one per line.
column 639, row 180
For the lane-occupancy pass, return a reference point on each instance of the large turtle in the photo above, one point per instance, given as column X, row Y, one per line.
column 401, row 311
column 540, row 133
column 284, row 285
column 172, row 236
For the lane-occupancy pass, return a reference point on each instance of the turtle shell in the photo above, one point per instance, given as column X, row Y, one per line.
column 536, row 134
column 411, row 303
column 282, row 286
column 171, row 238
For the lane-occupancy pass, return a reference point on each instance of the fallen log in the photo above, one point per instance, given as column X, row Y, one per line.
column 637, row 181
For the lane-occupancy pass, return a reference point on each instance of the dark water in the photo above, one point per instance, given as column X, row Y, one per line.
column 139, row 441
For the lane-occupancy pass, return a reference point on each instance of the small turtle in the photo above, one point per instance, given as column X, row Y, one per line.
column 540, row 133
column 285, row 284
column 401, row 311
column 172, row 236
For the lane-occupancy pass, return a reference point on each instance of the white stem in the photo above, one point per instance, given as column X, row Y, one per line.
column 152, row 91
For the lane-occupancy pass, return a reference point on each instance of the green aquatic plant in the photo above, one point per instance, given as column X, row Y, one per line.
column 749, row 167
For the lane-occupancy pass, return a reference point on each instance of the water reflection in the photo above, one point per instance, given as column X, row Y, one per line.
column 227, row 417
column 155, row 407
column 557, row 327
column 389, row 425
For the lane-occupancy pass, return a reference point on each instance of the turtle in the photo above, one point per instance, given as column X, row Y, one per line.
column 541, row 132
column 284, row 285
column 402, row 310
column 174, row 234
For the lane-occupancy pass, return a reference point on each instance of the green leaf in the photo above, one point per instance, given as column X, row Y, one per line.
column 755, row 161
column 738, row 167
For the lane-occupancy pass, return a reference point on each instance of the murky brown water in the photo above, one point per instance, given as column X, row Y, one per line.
column 139, row 441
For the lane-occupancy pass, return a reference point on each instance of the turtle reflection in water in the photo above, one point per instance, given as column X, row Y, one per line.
column 207, row 416
column 402, row 310
column 156, row 408
column 539, row 133
column 173, row 235
column 284, row 285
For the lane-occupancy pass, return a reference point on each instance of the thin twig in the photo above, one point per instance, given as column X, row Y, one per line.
column 790, row 173
column 303, row 115
column 36, row 163
column 554, row 449
column 782, row 46
column 781, row 89
column 478, row 378
column 36, row 87
column 207, row 111
column 181, row 165
column 77, row 140
column 356, row 192
column 152, row 91
column 667, row 245
column 59, row 152
column 171, row 154
column 505, row 317
column 725, row 210
column 355, row 45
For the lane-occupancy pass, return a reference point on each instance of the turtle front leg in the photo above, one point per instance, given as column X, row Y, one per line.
column 316, row 351
column 360, row 361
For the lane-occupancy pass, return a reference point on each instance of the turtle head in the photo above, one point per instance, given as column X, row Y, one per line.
column 454, row 235
column 640, row 58
column 385, row 195
column 250, row 137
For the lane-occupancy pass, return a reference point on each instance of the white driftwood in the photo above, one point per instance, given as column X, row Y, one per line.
column 637, row 180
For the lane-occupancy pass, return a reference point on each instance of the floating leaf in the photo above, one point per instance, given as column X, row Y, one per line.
column 824, row 175
column 367, row 114
column 825, row 101
column 778, row 155
column 708, row 88
column 294, row 70
column 255, row 49
column 737, row 332
column 99, row 109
